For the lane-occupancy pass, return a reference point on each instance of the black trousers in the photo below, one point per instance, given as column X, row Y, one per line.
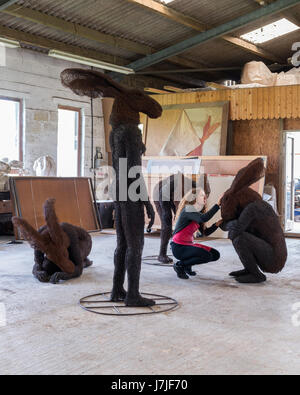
column 189, row 255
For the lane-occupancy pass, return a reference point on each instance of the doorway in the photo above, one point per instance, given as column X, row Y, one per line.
column 291, row 184
column 69, row 142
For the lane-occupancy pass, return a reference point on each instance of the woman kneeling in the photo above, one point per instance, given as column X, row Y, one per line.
column 191, row 218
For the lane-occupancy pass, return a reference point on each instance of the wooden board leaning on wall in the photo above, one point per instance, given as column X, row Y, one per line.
column 74, row 200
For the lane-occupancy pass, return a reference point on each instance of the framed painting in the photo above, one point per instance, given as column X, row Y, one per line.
column 188, row 130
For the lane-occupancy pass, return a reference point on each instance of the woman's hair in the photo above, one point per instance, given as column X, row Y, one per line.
column 190, row 199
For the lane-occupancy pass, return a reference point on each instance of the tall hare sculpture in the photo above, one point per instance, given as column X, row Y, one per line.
column 253, row 226
column 126, row 143
column 60, row 250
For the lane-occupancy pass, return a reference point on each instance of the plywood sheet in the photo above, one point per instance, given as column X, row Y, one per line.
column 292, row 124
column 259, row 138
column 74, row 200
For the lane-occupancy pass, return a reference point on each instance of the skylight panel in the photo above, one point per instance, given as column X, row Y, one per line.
column 271, row 31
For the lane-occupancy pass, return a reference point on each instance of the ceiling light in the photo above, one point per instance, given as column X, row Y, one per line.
column 167, row 1
column 271, row 31
column 9, row 43
column 90, row 62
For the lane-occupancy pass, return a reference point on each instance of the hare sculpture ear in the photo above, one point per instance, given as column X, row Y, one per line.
column 90, row 83
column 34, row 238
column 56, row 233
column 248, row 175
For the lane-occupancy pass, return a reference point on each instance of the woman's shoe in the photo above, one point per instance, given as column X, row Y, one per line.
column 188, row 270
column 179, row 269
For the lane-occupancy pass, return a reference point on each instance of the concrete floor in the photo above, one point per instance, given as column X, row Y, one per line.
column 221, row 327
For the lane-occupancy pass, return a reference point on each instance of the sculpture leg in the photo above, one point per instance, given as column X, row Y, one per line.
column 118, row 292
column 253, row 253
column 87, row 263
column 40, row 274
column 133, row 222
column 75, row 256
column 61, row 276
column 166, row 218
column 38, row 271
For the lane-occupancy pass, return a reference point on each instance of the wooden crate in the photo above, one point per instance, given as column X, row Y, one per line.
column 5, row 207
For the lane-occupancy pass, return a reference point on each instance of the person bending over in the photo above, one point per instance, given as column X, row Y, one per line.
column 191, row 217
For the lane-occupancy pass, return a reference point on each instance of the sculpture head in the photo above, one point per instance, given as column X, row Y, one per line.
column 239, row 195
column 129, row 103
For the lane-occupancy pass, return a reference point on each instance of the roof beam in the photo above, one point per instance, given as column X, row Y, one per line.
column 171, row 14
column 226, row 28
column 196, row 25
column 249, row 47
column 42, row 42
column 6, row 3
column 90, row 34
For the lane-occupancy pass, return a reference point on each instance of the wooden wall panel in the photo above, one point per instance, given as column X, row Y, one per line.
column 246, row 104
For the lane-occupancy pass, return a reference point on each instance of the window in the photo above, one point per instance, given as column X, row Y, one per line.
column 271, row 31
column 11, row 129
column 69, row 142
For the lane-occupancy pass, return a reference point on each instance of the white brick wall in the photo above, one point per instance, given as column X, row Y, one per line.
column 35, row 78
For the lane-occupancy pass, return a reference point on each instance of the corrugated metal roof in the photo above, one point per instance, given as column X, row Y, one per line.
column 214, row 12
column 53, row 34
column 126, row 20
column 219, row 52
column 116, row 17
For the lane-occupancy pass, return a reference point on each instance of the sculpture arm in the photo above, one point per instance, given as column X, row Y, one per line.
column 240, row 225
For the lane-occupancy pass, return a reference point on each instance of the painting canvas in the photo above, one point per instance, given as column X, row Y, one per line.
column 189, row 130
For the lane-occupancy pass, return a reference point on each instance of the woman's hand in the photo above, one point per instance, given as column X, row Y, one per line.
column 219, row 223
column 220, row 200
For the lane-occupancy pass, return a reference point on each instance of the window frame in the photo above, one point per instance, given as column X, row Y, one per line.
column 21, row 123
column 79, row 153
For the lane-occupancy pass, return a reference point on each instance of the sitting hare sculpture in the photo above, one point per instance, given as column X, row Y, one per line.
column 126, row 144
column 60, row 250
column 253, row 226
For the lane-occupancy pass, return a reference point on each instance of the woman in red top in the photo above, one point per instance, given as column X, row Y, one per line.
column 190, row 219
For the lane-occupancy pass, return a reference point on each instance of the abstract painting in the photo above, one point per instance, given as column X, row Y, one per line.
column 189, row 130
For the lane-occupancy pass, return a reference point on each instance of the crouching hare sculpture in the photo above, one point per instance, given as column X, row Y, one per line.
column 60, row 250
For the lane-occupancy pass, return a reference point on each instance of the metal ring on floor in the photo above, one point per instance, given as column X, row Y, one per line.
column 153, row 261
column 102, row 301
